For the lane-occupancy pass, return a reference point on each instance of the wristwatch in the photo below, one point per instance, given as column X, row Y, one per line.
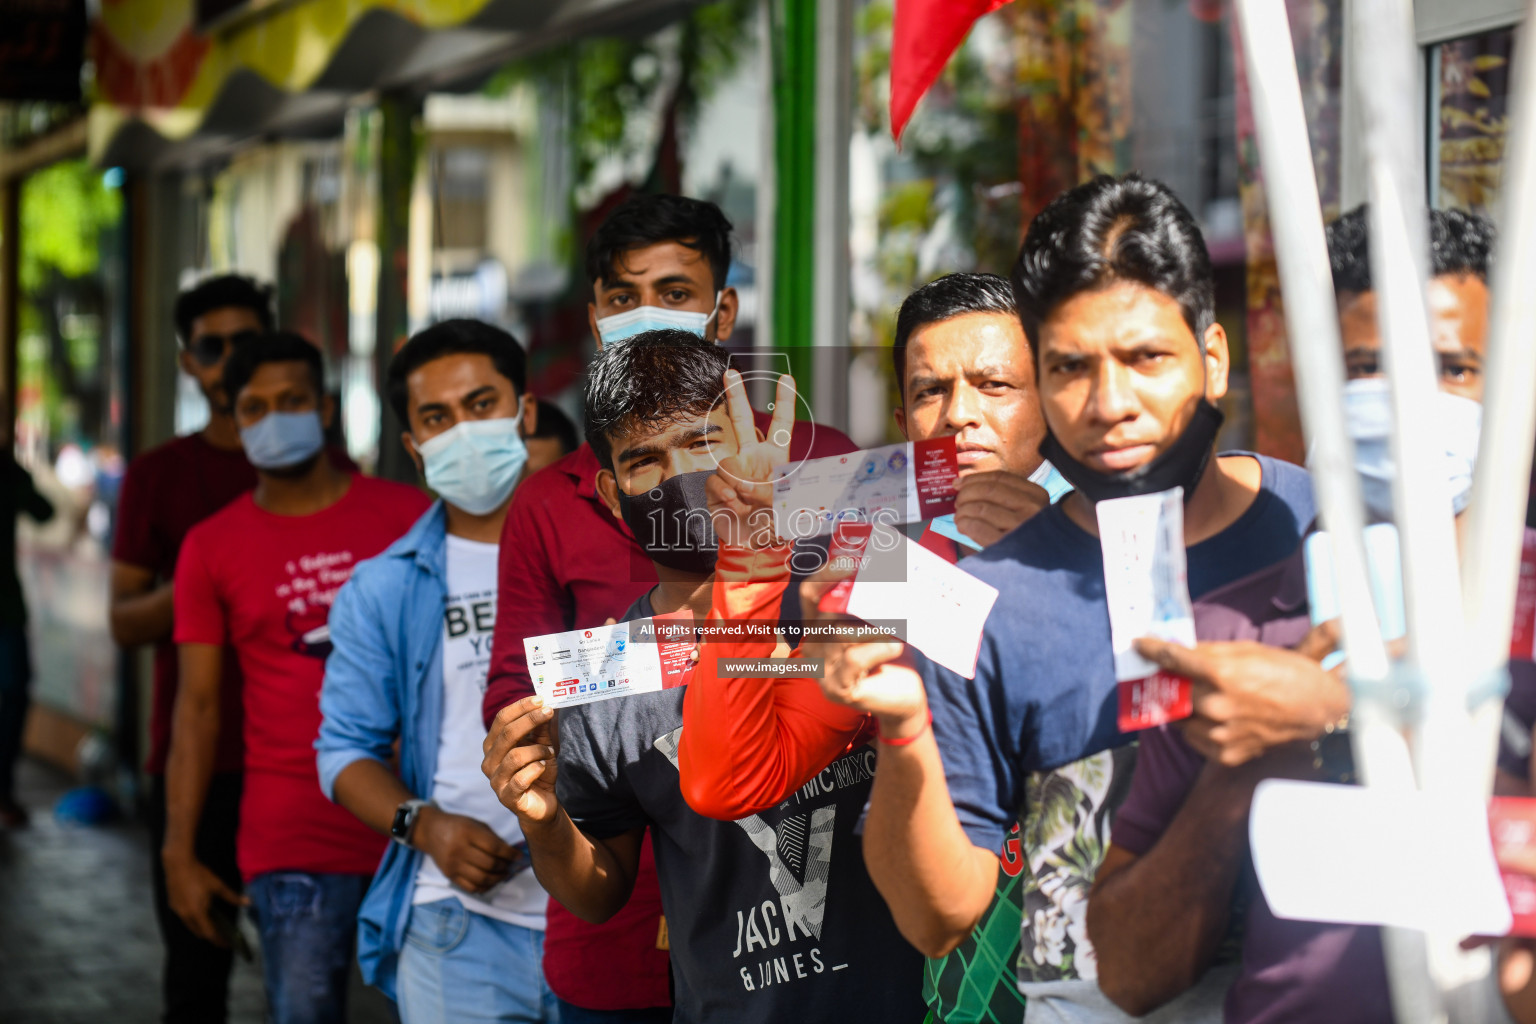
column 405, row 820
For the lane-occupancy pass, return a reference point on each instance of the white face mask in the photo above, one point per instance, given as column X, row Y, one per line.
column 623, row 326
column 1458, row 425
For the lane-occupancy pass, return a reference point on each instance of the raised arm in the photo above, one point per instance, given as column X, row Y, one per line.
column 748, row 743
column 592, row 878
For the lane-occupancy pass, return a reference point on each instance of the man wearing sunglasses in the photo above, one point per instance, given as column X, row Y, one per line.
column 167, row 491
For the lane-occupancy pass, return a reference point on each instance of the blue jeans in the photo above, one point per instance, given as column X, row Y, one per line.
column 308, row 928
column 570, row 1013
column 460, row 966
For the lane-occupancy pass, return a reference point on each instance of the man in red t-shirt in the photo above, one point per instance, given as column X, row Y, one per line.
column 166, row 492
column 259, row 577
column 658, row 261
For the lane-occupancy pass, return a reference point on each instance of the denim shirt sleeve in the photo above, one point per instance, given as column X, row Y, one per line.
column 359, row 700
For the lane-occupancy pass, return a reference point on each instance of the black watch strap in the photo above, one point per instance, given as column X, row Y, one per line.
column 405, row 820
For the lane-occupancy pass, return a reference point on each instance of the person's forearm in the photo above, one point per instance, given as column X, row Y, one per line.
column 935, row 881
column 144, row 618
column 581, row 875
column 188, row 769
column 371, row 792
column 1157, row 922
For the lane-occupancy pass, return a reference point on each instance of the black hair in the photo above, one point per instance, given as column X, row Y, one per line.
column 452, row 338
column 274, row 347
column 950, row 296
column 1459, row 243
column 1109, row 230
column 554, row 423
column 223, row 292
column 643, row 220
column 653, row 378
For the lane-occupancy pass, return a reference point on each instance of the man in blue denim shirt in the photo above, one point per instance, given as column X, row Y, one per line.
column 453, row 926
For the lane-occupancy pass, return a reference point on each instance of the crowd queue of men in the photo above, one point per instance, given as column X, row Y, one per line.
column 347, row 744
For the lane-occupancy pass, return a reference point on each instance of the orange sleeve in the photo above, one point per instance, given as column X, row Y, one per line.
column 747, row 744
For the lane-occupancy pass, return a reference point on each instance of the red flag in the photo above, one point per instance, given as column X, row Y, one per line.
column 925, row 36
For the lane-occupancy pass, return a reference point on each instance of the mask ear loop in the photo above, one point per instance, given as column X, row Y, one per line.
column 714, row 312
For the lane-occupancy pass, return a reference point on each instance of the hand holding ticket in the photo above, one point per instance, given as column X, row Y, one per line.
column 944, row 607
column 1142, row 538
column 583, row 665
column 899, row 483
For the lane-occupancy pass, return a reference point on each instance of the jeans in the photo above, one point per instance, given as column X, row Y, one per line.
column 15, row 697
column 196, row 980
column 570, row 1013
column 308, row 928
column 461, row 966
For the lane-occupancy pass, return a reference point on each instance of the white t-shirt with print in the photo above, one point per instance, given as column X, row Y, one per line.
column 459, row 787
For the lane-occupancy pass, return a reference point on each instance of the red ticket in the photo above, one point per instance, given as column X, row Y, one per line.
column 1512, row 822
column 1154, row 700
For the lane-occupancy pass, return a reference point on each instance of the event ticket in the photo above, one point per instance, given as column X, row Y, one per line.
column 899, row 483
column 1145, row 584
column 943, row 607
column 583, row 665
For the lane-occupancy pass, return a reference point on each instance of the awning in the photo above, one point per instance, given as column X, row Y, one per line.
column 180, row 81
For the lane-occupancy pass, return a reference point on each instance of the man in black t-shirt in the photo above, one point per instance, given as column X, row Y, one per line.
column 770, row 918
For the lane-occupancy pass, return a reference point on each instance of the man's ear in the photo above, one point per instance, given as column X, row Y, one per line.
column 185, row 361
column 725, row 316
column 1218, row 362
column 592, row 323
column 899, row 414
column 409, row 443
column 327, row 410
column 530, row 424
column 608, row 490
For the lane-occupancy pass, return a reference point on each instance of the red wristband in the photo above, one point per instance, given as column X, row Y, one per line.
column 903, row 741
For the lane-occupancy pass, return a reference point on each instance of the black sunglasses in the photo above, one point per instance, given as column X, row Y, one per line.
column 208, row 349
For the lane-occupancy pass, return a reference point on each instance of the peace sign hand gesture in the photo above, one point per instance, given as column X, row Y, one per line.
column 741, row 491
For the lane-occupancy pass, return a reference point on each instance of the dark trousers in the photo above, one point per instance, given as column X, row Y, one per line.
column 15, row 697
column 196, row 982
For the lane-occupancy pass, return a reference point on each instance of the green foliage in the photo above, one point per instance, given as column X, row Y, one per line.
column 612, row 79
column 64, row 210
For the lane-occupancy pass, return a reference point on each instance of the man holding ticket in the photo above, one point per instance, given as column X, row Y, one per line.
column 656, row 261
column 769, row 918
column 966, row 374
column 1182, row 837
column 1115, row 293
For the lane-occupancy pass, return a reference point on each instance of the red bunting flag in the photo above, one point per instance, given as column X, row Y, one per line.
column 925, row 36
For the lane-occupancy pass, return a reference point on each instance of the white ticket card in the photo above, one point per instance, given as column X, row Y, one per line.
column 583, row 665
column 944, row 606
column 1361, row 855
column 1145, row 576
column 898, row 483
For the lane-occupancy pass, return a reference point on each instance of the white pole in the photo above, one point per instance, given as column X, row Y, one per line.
column 1311, row 317
column 1496, row 515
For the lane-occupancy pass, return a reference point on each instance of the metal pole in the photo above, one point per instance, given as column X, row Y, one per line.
column 1496, row 514
column 1311, row 318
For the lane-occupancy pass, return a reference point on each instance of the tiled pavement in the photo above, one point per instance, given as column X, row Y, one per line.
column 78, row 940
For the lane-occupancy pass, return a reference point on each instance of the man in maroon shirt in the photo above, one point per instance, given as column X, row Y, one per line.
column 167, row 491
column 657, row 261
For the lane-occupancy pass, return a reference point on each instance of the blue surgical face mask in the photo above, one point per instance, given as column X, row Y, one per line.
column 1368, row 418
column 625, row 325
column 280, row 440
column 475, row 464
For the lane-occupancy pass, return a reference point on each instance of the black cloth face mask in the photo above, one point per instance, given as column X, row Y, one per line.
column 671, row 521
column 1181, row 465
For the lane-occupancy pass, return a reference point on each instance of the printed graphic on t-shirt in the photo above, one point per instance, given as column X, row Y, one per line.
column 307, row 595
column 1068, row 812
column 469, row 620
column 774, row 940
